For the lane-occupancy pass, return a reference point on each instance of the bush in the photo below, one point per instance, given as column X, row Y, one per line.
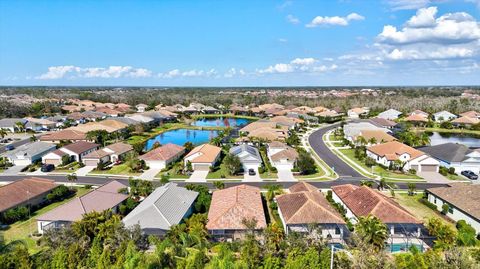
column 412, row 171
column 445, row 208
column 443, row 171
column 428, row 204
column 369, row 162
column 451, row 170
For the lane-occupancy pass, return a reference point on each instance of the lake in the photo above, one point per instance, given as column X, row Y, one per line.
column 181, row 136
column 469, row 140
column 221, row 122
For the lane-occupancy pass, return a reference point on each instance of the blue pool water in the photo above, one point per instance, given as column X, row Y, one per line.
column 181, row 136
column 403, row 247
column 221, row 122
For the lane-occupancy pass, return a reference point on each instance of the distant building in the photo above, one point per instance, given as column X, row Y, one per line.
column 390, row 114
column 444, row 116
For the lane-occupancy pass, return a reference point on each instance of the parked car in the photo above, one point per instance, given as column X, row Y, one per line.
column 10, row 147
column 469, row 174
column 47, row 167
column 251, row 172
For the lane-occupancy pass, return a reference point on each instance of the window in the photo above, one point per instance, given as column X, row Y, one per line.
column 337, row 230
column 450, row 209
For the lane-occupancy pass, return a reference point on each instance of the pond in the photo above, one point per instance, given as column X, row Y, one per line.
column 469, row 140
column 221, row 122
column 181, row 136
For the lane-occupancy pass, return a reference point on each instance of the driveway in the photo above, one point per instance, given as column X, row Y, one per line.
column 14, row 170
column 433, row 177
column 285, row 174
column 84, row 170
column 249, row 178
column 198, row 176
column 150, row 173
column 341, row 168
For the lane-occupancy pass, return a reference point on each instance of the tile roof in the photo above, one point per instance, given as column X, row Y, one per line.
column 471, row 114
column 364, row 201
column 465, row 197
column 301, row 187
column 164, row 207
column 163, row 153
column 307, row 207
column 231, row 205
column 20, row 191
column 67, row 134
column 103, row 198
column 394, row 149
column 119, row 148
column 416, row 117
column 289, row 154
column 96, row 154
column 208, row 153
column 383, row 122
column 379, row 135
column 466, row 120
column 450, row 152
column 81, row 146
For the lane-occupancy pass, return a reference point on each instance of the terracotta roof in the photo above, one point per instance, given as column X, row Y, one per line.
column 119, row 148
column 231, row 205
column 466, row 120
column 465, row 197
column 289, row 154
column 81, row 146
column 67, row 134
column 269, row 134
column 208, row 153
column 307, row 207
column 379, row 135
column 471, row 114
column 394, row 149
column 163, row 153
column 103, row 198
column 364, row 201
column 258, row 124
column 419, row 112
column 301, row 187
column 59, row 153
column 108, row 111
column 358, row 110
column 20, row 191
column 383, row 122
column 97, row 154
column 277, row 144
column 416, row 117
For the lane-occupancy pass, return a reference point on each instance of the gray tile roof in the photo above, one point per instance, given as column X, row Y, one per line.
column 10, row 122
column 449, row 152
column 164, row 207
column 246, row 152
column 30, row 149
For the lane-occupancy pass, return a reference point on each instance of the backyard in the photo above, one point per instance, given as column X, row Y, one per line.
column 22, row 229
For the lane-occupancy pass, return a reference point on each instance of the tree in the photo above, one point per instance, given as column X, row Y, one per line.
column 20, row 126
column 382, row 184
column 164, row 179
column 66, row 159
column 273, row 190
column 219, row 185
column 3, row 133
column 188, row 146
column 293, row 139
column 33, row 138
column 72, row 177
column 99, row 136
column 306, row 164
column 232, row 164
column 189, row 166
column 412, row 187
column 372, row 231
column 445, row 235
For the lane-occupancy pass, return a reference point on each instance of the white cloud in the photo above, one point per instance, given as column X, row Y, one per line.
column 425, row 17
column 189, row 73
column 306, row 65
column 57, row 72
column 408, row 4
column 292, row 19
column 70, row 71
column 303, row 61
column 334, row 21
column 430, row 53
column 232, row 72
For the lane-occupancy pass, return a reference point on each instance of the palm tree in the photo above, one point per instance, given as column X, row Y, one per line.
column 424, row 139
column 372, row 141
column 72, row 177
column 3, row 133
column 372, row 231
column 216, row 141
column 20, row 126
column 382, row 184
column 411, row 188
column 273, row 190
column 361, row 140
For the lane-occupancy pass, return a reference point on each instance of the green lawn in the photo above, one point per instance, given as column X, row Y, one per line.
column 421, row 211
column 172, row 173
column 441, row 130
column 22, row 229
column 319, row 173
column 222, row 170
column 350, row 153
column 268, row 174
column 70, row 168
column 121, row 169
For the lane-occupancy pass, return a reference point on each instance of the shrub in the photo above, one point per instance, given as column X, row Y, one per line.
column 451, row 170
column 445, row 208
column 369, row 162
column 428, row 204
column 443, row 171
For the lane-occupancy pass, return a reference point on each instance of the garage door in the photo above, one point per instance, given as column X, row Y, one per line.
column 156, row 165
column 90, row 162
column 52, row 161
column 429, row 168
column 201, row 167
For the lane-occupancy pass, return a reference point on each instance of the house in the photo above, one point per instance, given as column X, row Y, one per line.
column 54, row 157
column 353, row 129
column 373, row 137
column 95, row 157
column 444, row 116
column 12, row 124
column 203, row 156
column 281, row 155
column 466, row 121
column 458, row 156
column 118, row 151
column 304, row 206
column 106, row 197
column 289, row 122
column 58, row 119
column 420, row 113
column 76, row 117
column 27, row 191
column 28, row 153
column 110, row 126
column 361, row 201
column 141, row 118
column 356, row 112
column 230, row 207
column 79, row 149
column 38, row 125
column 161, row 157
column 388, row 153
column 248, row 155
column 141, row 108
column 417, row 119
column 166, row 206
column 390, row 114
column 265, row 129
column 471, row 114
column 109, row 112
column 64, row 135
column 383, row 123
column 462, row 200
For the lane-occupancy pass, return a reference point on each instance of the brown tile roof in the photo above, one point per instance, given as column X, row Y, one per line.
column 67, row 134
column 81, row 146
column 231, row 205
column 301, row 187
column 286, row 120
column 20, row 191
column 465, row 197
column 277, row 144
column 364, row 201
column 307, row 207
column 59, row 153
column 416, row 117
column 392, row 150
column 101, row 199
column 379, row 135
column 258, row 125
column 208, row 153
column 289, row 154
column 466, row 120
column 383, row 122
column 120, row 148
column 163, row 153
column 108, row 111
column 97, row 154
column 419, row 112
column 358, row 110
column 471, row 114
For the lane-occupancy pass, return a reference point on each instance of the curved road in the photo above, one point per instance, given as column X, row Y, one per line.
column 341, row 168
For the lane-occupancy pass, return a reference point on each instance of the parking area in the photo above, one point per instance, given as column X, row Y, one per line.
column 285, row 174
column 250, row 178
column 198, row 176
column 433, row 177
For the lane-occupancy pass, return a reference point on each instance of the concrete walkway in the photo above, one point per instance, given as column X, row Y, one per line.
column 150, row 174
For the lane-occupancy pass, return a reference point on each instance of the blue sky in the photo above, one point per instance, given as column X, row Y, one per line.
column 240, row 43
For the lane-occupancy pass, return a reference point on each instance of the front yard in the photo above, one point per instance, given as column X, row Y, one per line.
column 22, row 229
column 121, row 169
column 221, row 172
